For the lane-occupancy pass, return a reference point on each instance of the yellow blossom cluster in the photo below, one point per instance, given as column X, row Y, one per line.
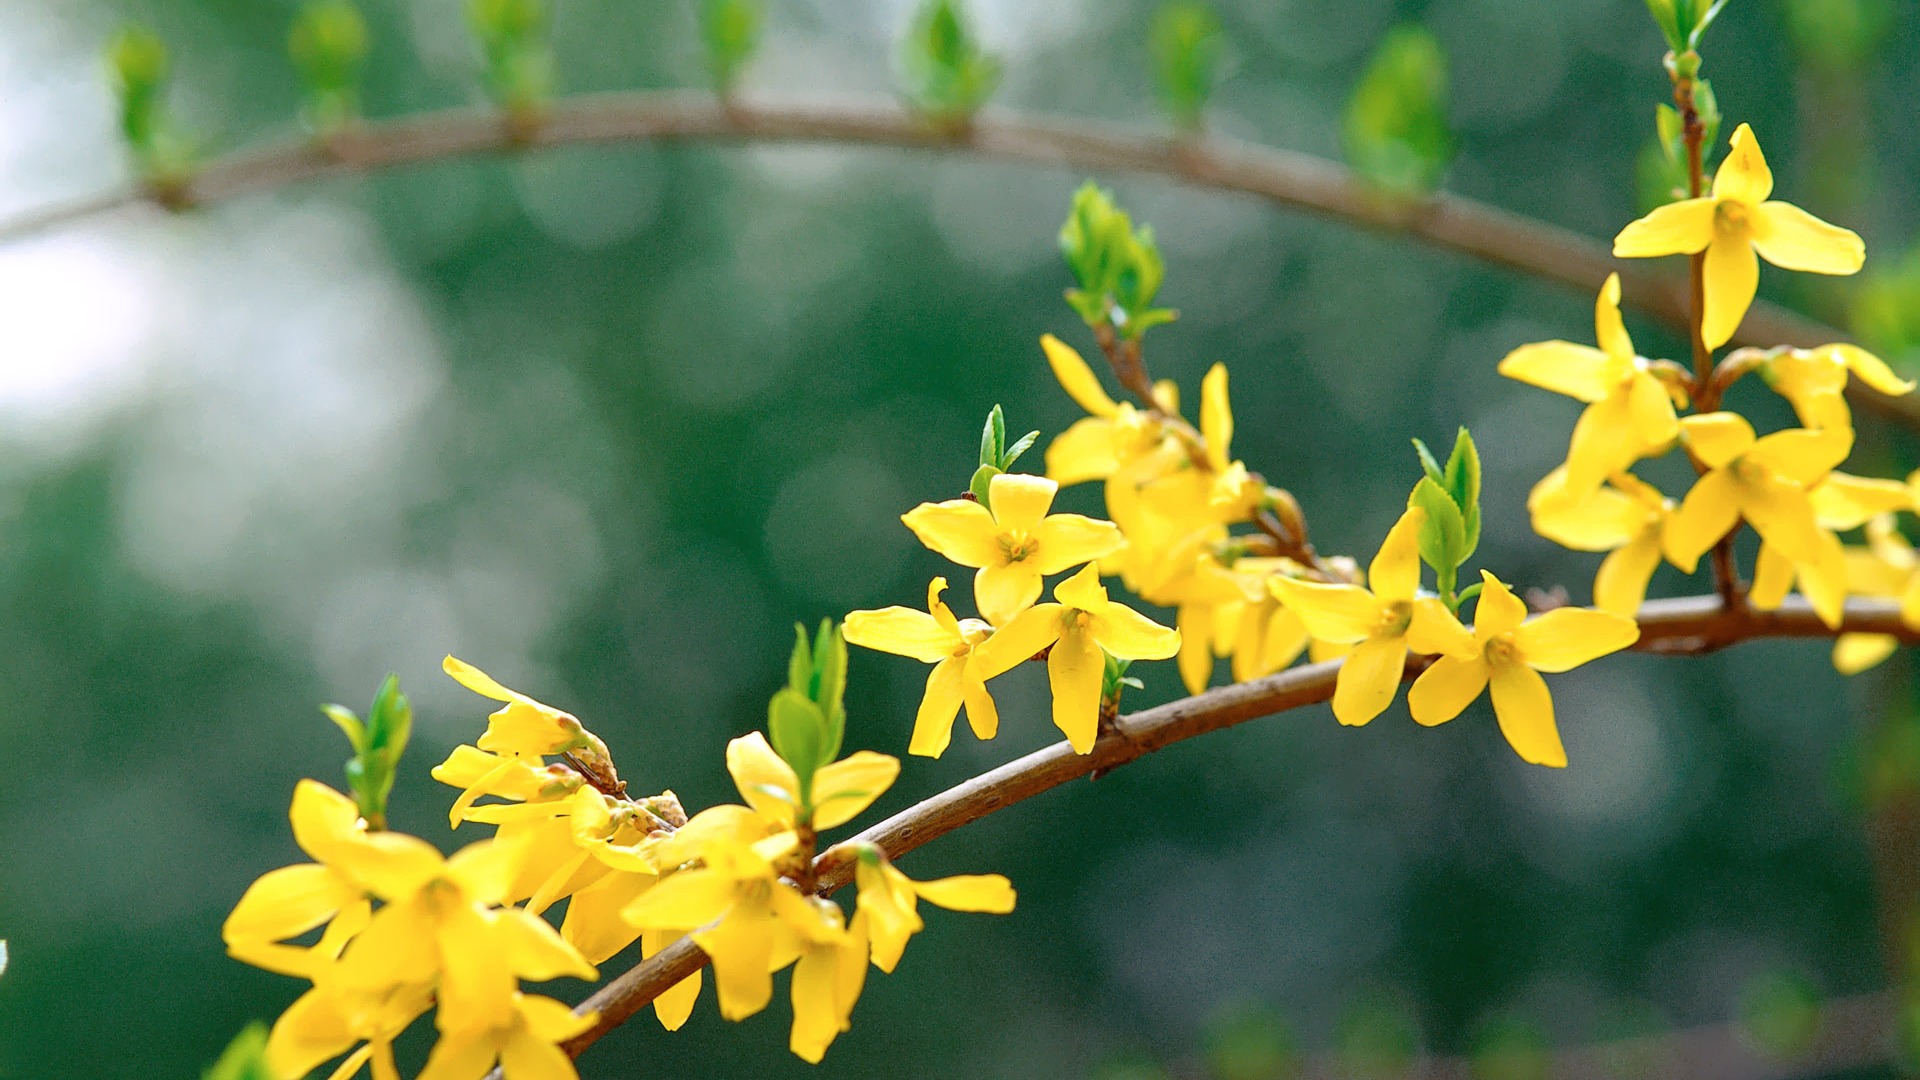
column 1786, row 485
column 406, row 930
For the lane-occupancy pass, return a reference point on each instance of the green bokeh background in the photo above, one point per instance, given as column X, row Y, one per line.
column 607, row 422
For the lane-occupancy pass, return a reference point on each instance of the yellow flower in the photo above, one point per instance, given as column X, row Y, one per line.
column 840, row 792
column 1111, row 435
column 1814, row 381
column 889, row 901
column 478, row 773
column 1730, row 225
column 1626, row 518
column 1266, row 634
column 1886, row 566
column 1381, row 623
column 1014, row 544
column 934, row 637
column 328, row 1020
column 1841, row 502
column 525, row 1044
column 1629, row 414
column 1762, row 480
column 1510, row 652
column 524, row 726
column 1077, row 628
column 1202, row 595
column 827, row 980
column 1233, row 492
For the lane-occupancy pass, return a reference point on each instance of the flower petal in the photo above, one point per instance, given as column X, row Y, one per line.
column 1067, row 540
column 1716, row 438
column 1709, row 512
column 1394, row 573
column 1855, row 653
column 1609, row 331
column 675, row 1004
column 1732, row 277
column 1447, row 687
column 1075, row 670
column 1216, row 417
column 1368, row 680
column 1498, row 610
column 1744, row 175
column 939, row 706
column 1435, row 630
column 1601, row 521
column 1019, row 501
column 960, row 529
column 682, row 901
column 844, row 789
column 1076, row 378
column 1679, row 228
column 1018, row 640
column 1871, row 370
column 1085, row 451
column 1792, row 239
column 1002, row 592
column 1129, row 635
column 593, row 924
column 1802, row 456
column 765, row 781
column 1577, row 371
column 1565, row 638
column 1337, row 613
column 1525, row 710
column 901, row 631
column 286, row 903
column 1621, row 584
column 990, row 893
column 1083, row 590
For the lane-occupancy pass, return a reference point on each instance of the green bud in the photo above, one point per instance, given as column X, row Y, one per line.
column 245, row 1058
column 516, row 55
column 945, row 75
column 327, row 43
column 1186, row 43
column 1780, row 1014
column 1509, row 1048
column 1250, row 1041
column 1463, row 484
column 138, row 60
column 993, row 438
column 1443, row 536
column 377, row 745
column 1682, row 22
column 798, row 731
column 1396, row 132
column 1119, row 268
column 730, row 29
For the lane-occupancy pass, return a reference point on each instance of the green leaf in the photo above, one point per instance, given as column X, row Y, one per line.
column 798, row 730
column 1396, row 133
column 1443, row 536
column 516, row 53
column 1667, row 17
column 327, row 44
column 800, row 663
column 945, row 75
column 1021, row 446
column 981, row 486
column 1463, row 472
column 992, row 438
column 830, row 666
column 730, row 30
column 349, row 725
column 1702, row 21
column 1186, row 44
column 245, row 1058
column 1428, row 464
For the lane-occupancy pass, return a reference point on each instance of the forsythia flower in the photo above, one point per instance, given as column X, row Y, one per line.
column 1076, row 629
column 1887, row 566
column 1814, row 381
column 1626, row 518
column 1013, row 541
column 1509, row 653
column 1268, row 634
column 1111, row 436
column 888, row 900
column 1730, row 224
column 525, row 1044
column 1382, row 623
column 934, row 637
column 839, row 792
column 1629, row 414
column 827, row 980
column 1764, row 480
column 527, row 728
column 1841, row 502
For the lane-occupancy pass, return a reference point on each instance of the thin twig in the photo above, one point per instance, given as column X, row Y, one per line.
column 1692, row 624
column 1284, row 177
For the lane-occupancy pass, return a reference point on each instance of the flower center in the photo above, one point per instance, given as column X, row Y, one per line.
column 1730, row 216
column 1018, row 546
column 1501, row 650
column 1394, row 619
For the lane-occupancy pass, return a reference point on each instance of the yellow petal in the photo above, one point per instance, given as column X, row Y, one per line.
column 1498, row 610
column 1076, row 378
column 323, row 819
column 842, row 790
column 767, row 783
column 1196, row 649
column 1020, row 501
column 1435, row 630
column 1282, row 640
column 741, row 946
column 524, row 1057
column 1565, row 638
column 1804, row 457
column 1652, row 412
column 1601, row 521
column 1075, row 670
column 286, row 903
column 1709, row 512
column 933, row 724
column 983, row 716
column 682, row 901
column 593, row 924
column 461, row 1056
column 1394, row 573
column 990, row 893
column 901, row 631
column 1717, row 438
column 959, row 529
column 534, row 950
column 1085, row 451
column 1606, row 440
column 816, row 1019
column 1620, row 586
column 1445, row 688
column 1680, row 228
column 1844, row 501
column 1609, row 332
column 1337, row 613
column 1577, row 371
column 676, row 1004
column 1525, row 710
column 1067, row 540
column 1129, row 635
column 1783, row 516
column 477, row 681
column 1871, row 370
column 1368, row 680
column 1216, row 417
column 1083, row 590
column 1002, row 592
column 1855, row 653
column 1018, row 640
column 1732, row 277
column 1792, row 239
column 1744, row 175
column 310, row 1031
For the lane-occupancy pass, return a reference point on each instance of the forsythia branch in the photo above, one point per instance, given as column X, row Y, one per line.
column 1284, row 177
column 1684, row 625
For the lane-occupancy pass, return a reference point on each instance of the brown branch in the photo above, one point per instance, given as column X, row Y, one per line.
column 1692, row 624
column 1283, row 177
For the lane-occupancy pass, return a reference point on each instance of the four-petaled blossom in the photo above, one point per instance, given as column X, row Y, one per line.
column 1112, row 434
column 1627, row 518
column 1763, row 480
column 934, row 637
column 1509, row 652
column 1730, row 224
column 1013, row 540
column 525, row 1043
column 1629, row 414
column 889, row 899
column 1074, row 630
column 839, row 793
column 1886, row 566
column 1381, row 623
column 523, row 726
column 1814, row 381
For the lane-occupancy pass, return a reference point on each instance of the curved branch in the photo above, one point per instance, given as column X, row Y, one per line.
column 1685, row 625
column 1283, row 177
